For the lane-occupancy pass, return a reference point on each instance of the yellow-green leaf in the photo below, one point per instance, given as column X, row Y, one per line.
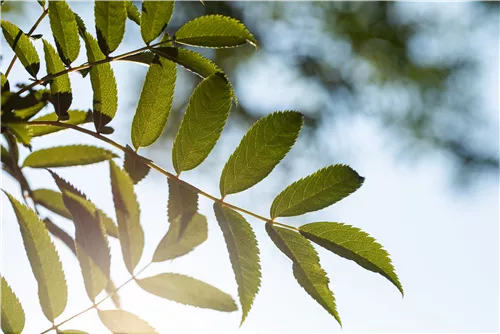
column 189, row 291
column 21, row 131
column 133, row 13
column 244, row 254
column 351, row 243
column 44, row 260
column 214, row 31
column 5, row 84
column 202, row 124
column 155, row 18
column 190, row 60
column 60, row 87
column 155, row 103
column 65, row 156
column 65, row 31
column 13, row 318
column 261, row 149
column 22, row 46
column 316, row 191
column 123, row 322
column 174, row 244
column 110, row 17
column 306, row 267
column 76, row 117
column 134, row 166
column 127, row 210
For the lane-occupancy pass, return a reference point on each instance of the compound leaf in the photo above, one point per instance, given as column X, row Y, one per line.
column 110, row 17
column 22, row 46
column 189, row 291
column 202, row 124
column 214, row 31
column 155, row 103
column 316, row 191
column 133, row 13
column 65, row 156
column 353, row 244
column 76, row 117
column 65, row 31
column 261, row 149
column 44, row 260
column 155, row 18
column 123, row 322
column 13, row 318
column 244, row 254
column 306, row 267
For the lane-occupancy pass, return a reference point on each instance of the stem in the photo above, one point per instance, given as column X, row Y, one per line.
column 157, row 168
column 32, row 30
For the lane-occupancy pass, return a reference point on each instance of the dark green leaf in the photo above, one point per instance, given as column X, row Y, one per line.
column 155, row 103
column 110, row 17
column 155, row 18
column 244, row 254
column 65, row 156
column 190, row 60
column 132, row 12
column 189, row 291
column 5, row 84
column 316, row 191
column 260, row 150
column 65, row 30
column 306, row 267
column 44, row 260
column 24, row 107
column 133, row 165
column 22, row 46
column 41, row 3
column 202, row 124
column 60, row 87
column 90, row 240
column 123, row 322
column 128, row 216
column 103, row 81
column 353, row 244
column 13, row 318
column 173, row 246
column 214, row 31
column 76, row 117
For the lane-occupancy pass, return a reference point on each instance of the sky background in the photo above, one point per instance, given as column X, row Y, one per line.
column 443, row 240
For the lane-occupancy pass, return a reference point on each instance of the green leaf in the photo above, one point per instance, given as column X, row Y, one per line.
column 132, row 12
column 316, row 191
column 22, row 46
column 189, row 291
column 202, row 124
column 41, row 3
column 133, row 165
column 21, row 131
column 155, row 18
column 60, row 87
column 13, row 317
column 110, row 17
column 90, row 240
column 123, row 322
column 66, row 156
column 76, row 117
column 173, row 246
column 306, row 267
column 65, row 31
column 214, row 31
column 5, row 84
column 105, row 102
column 244, row 254
column 261, row 149
column 130, row 231
column 44, row 260
column 155, row 103
column 353, row 244
column 190, row 60
column 26, row 106
column 53, row 201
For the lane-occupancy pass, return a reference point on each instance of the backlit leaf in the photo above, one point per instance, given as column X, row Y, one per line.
column 316, row 191
column 190, row 60
column 155, row 103
column 60, row 87
column 202, row 124
column 132, row 12
column 214, row 31
column 353, row 244
column 76, row 117
column 127, row 210
column 21, row 131
column 133, row 165
column 65, row 31
column 306, row 267
column 261, row 149
column 123, row 322
column 244, row 254
column 110, row 17
column 182, row 201
column 5, row 84
column 189, row 291
column 44, row 260
column 155, row 18
column 13, row 318
column 65, row 156
column 173, row 246
column 22, row 46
